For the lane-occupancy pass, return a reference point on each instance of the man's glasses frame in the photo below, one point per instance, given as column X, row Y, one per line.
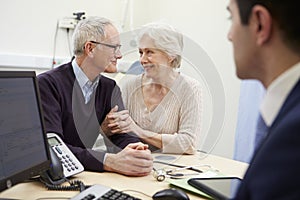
column 116, row 47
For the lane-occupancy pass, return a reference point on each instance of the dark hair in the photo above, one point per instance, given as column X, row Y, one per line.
column 285, row 13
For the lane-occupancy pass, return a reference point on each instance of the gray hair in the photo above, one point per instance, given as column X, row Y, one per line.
column 166, row 39
column 86, row 30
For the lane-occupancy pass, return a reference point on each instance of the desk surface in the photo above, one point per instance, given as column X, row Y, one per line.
column 148, row 184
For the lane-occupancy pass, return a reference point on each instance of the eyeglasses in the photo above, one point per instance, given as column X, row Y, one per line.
column 116, row 47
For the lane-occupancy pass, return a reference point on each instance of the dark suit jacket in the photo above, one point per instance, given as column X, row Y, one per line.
column 273, row 172
column 56, row 90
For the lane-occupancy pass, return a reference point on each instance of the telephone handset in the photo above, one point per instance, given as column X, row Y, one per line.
column 63, row 162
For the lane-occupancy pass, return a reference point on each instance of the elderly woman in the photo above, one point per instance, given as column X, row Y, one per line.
column 164, row 104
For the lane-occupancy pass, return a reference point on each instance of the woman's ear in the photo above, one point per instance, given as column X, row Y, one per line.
column 171, row 59
column 262, row 22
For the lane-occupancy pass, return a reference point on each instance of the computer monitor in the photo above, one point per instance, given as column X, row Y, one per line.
column 24, row 150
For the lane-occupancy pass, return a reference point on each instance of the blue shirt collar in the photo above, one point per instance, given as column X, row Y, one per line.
column 83, row 81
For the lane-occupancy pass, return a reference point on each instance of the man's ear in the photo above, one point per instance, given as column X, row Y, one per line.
column 262, row 22
column 88, row 48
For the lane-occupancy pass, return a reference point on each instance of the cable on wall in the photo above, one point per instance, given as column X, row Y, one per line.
column 68, row 24
column 54, row 45
column 69, row 42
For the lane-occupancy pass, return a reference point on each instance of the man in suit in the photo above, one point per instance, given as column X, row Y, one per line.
column 266, row 42
column 79, row 103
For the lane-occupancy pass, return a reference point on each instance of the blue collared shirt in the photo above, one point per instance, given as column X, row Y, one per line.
column 87, row 87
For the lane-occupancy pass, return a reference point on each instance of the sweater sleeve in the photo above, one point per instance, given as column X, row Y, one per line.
column 187, row 137
column 51, row 104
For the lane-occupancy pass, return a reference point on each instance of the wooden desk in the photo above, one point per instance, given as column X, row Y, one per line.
column 147, row 184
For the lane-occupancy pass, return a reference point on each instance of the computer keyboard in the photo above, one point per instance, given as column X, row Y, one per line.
column 100, row 192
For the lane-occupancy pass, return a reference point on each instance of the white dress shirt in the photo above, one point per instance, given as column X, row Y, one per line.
column 277, row 93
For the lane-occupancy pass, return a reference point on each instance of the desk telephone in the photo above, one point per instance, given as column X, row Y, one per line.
column 63, row 162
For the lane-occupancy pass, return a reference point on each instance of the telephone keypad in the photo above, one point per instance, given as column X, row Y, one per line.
column 70, row 163
column 66, row 161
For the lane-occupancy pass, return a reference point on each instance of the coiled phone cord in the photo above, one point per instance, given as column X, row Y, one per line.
column 74, row 185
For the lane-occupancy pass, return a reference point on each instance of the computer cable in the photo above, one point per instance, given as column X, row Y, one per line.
column 179, row 166
column 136, row 191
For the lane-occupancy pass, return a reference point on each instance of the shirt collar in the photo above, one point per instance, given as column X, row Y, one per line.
column 82, row 79
column 277, row 93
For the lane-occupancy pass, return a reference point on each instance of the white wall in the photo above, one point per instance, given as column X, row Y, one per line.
column 28, row 28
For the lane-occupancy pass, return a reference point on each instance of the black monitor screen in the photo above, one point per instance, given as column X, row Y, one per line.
column 23, row 148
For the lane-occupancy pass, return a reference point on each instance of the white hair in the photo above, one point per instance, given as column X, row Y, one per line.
column 165, row 38
column 89, row 29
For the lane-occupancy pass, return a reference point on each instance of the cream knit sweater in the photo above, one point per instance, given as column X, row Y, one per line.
column 177, row 117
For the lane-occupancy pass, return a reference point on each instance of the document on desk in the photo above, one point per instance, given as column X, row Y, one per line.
column 183, row 182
